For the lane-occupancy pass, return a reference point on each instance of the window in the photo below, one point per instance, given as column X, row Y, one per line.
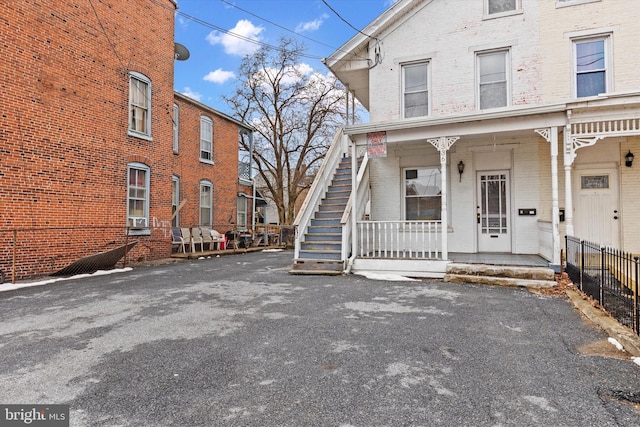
column 493, row 79
column 175, row 201
column 242, row 213
column 138, row 195
column 591, row 66
column 176, row 126
column 501, row 6
column 415, row 86
column 139, row 105
column 206, row 139
column 422, row 192
column 206, row 202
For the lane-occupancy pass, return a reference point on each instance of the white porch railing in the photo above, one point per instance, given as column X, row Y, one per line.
column 362, row 197
column 399, row 239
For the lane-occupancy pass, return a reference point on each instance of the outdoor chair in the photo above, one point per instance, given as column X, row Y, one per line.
column 193, row 238
column 177, row 239
column 217, row 239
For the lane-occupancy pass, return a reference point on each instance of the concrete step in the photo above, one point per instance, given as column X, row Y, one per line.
column 500, row 275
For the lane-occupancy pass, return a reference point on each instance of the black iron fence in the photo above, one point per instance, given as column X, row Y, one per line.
column 608, row 275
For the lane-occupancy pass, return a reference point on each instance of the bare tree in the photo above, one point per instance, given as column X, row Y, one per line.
column 296, row 113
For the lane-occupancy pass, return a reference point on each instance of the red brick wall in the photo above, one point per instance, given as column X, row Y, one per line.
column 64, row 84
column 223, row 173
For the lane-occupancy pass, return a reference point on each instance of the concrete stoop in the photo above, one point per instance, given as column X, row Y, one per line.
column 514, row 276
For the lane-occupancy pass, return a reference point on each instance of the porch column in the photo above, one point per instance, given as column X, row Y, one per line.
column 443, row 144
column 354, row 196
column 551, row 135
column 571, row 145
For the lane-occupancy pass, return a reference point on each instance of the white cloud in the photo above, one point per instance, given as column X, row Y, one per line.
column 191, row 94
column 219, row 76
column 311, row 25
column 237, row 40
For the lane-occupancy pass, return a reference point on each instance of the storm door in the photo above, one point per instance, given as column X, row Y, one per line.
column 493, row 212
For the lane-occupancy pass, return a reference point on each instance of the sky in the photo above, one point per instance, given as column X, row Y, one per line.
column 209, row 29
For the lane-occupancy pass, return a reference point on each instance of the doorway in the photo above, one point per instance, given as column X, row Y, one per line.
column 597, row 208
column 494, row 211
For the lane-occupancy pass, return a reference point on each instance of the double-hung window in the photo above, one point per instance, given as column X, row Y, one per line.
column 139, row 105
column 176, row 127
column 206, row 202
column 493, row 79
column 423, row 193
column 138, row 195
column 206, row 139
column 175, row 201
column 415, row 86
column 501, row 6
column 242, row 212
column 591, row 63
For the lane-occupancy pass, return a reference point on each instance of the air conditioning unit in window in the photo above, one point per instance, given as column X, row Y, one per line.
column 137, row 222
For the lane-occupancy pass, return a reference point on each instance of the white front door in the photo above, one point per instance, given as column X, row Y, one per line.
column 596, row 206
column 494, row 211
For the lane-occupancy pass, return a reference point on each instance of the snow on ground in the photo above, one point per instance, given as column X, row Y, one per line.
column 11, row 287
column 616, row 343
column 386, row 276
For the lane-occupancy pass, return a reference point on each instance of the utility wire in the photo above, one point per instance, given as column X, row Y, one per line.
column 347, row 22
column 113, row 48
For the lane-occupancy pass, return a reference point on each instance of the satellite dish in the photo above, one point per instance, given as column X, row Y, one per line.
column 181, row 52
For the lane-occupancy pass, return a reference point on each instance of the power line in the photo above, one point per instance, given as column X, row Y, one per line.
column 345, row 21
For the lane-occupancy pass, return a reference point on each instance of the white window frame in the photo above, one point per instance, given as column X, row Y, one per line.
column 176, row 127
column 175, row 201
column 608, row 69
column 507, row 79
column 487, row 15
column 406, row 91
column 567, row 3
column 241, row 213
column 206, row 140
column 405, row 196
column 138, row 224
column 139, row 104
column 203, row 220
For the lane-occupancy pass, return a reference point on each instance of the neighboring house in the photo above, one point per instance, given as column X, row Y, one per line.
column 499, row 126
column 89, row 156
column 211, row 174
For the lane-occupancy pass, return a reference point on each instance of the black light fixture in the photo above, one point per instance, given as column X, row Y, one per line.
column 628, row 159
column 461, row 169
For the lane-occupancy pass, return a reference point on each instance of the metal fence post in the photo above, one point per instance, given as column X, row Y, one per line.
column 581, row 262
column 601, row 281
column 636, row 308
column 15, row 246
column 126, row 247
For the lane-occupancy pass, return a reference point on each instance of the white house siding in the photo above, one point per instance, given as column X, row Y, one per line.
column 450, row 41
column 559, row 24
column 630, row 189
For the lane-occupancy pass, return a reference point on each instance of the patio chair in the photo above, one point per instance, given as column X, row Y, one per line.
column 178, row 240
column 232, row 239
column 207, row 237
column 193, row 238
column 217, row 238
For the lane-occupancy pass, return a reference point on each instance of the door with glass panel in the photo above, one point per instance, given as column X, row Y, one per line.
column 493, row 215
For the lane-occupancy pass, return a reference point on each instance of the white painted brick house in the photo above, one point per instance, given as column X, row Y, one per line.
column 536, row 103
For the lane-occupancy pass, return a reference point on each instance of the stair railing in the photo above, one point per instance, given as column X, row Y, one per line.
column 362, row 197
column 319, row 188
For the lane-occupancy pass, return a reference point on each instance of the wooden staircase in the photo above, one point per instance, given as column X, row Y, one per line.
column 321, row 250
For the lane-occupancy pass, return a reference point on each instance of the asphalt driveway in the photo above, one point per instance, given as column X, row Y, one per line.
column 237, row 341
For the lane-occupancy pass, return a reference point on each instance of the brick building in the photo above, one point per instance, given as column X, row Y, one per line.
column 211, row 173
column 87, row 155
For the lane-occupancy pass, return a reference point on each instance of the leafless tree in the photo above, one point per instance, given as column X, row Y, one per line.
column 296, row 113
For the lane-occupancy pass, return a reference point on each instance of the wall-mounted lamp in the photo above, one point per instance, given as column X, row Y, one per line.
column 461, row 169
column 628, row 159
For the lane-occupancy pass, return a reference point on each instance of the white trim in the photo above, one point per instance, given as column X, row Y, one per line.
column 133, row 75
column 567, row 3
column 403, row 67
column 507, row 69
column 607, row 39
column 205, row 183
column 516, row 11
column 203, row 120
column 144, row 230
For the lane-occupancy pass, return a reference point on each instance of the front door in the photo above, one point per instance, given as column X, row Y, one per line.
column 493, row 211
column 597, row 209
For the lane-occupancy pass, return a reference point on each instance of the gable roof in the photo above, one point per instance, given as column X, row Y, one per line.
column 352, row 61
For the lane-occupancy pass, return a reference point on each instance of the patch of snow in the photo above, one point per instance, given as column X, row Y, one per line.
column 636, row 360
column 386, row 276
column 272, row 250
column 12, row 287
column 616, row 343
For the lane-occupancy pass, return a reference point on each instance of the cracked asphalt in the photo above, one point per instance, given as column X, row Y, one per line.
column 237, row 341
